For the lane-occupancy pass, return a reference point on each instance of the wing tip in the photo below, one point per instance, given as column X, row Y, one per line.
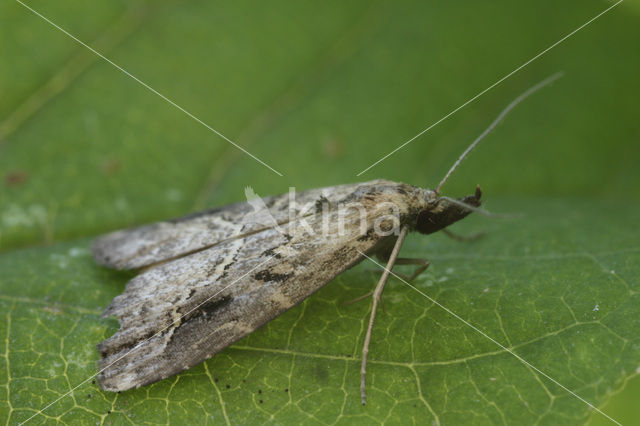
column 100, row 248
column 114, row 383
column 104, row 249
column 112, row 375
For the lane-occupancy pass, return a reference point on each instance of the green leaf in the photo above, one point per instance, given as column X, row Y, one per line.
column 550, row 288
column 320, row 91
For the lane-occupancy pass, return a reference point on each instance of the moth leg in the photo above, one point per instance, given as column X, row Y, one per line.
column 422, row 265
column 364, row 296
column 463, row 238
column 357, row 299
column 374, row 307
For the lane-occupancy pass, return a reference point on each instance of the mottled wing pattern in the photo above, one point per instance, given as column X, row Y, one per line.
column 179, row 313
column 158, row 242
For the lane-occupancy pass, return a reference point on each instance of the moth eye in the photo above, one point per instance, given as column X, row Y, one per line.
column 429, row 196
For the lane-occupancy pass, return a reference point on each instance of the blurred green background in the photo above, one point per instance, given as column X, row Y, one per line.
column 319, row 91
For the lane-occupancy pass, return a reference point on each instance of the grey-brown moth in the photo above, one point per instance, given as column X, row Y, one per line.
column 211, row 278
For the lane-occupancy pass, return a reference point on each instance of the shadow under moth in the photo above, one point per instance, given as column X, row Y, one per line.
column 211, row 278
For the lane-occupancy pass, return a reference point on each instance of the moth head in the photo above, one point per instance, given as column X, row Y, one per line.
column 444, row 211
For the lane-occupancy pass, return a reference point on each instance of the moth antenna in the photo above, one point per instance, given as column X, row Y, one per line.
column 504, row 112
column 479, row 210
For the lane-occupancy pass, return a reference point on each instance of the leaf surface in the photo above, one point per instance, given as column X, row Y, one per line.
column 320, row 91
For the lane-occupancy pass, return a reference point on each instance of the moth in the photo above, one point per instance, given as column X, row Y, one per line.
column 211, row 278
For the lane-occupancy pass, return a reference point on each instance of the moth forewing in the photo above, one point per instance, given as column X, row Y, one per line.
column 162, row 241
